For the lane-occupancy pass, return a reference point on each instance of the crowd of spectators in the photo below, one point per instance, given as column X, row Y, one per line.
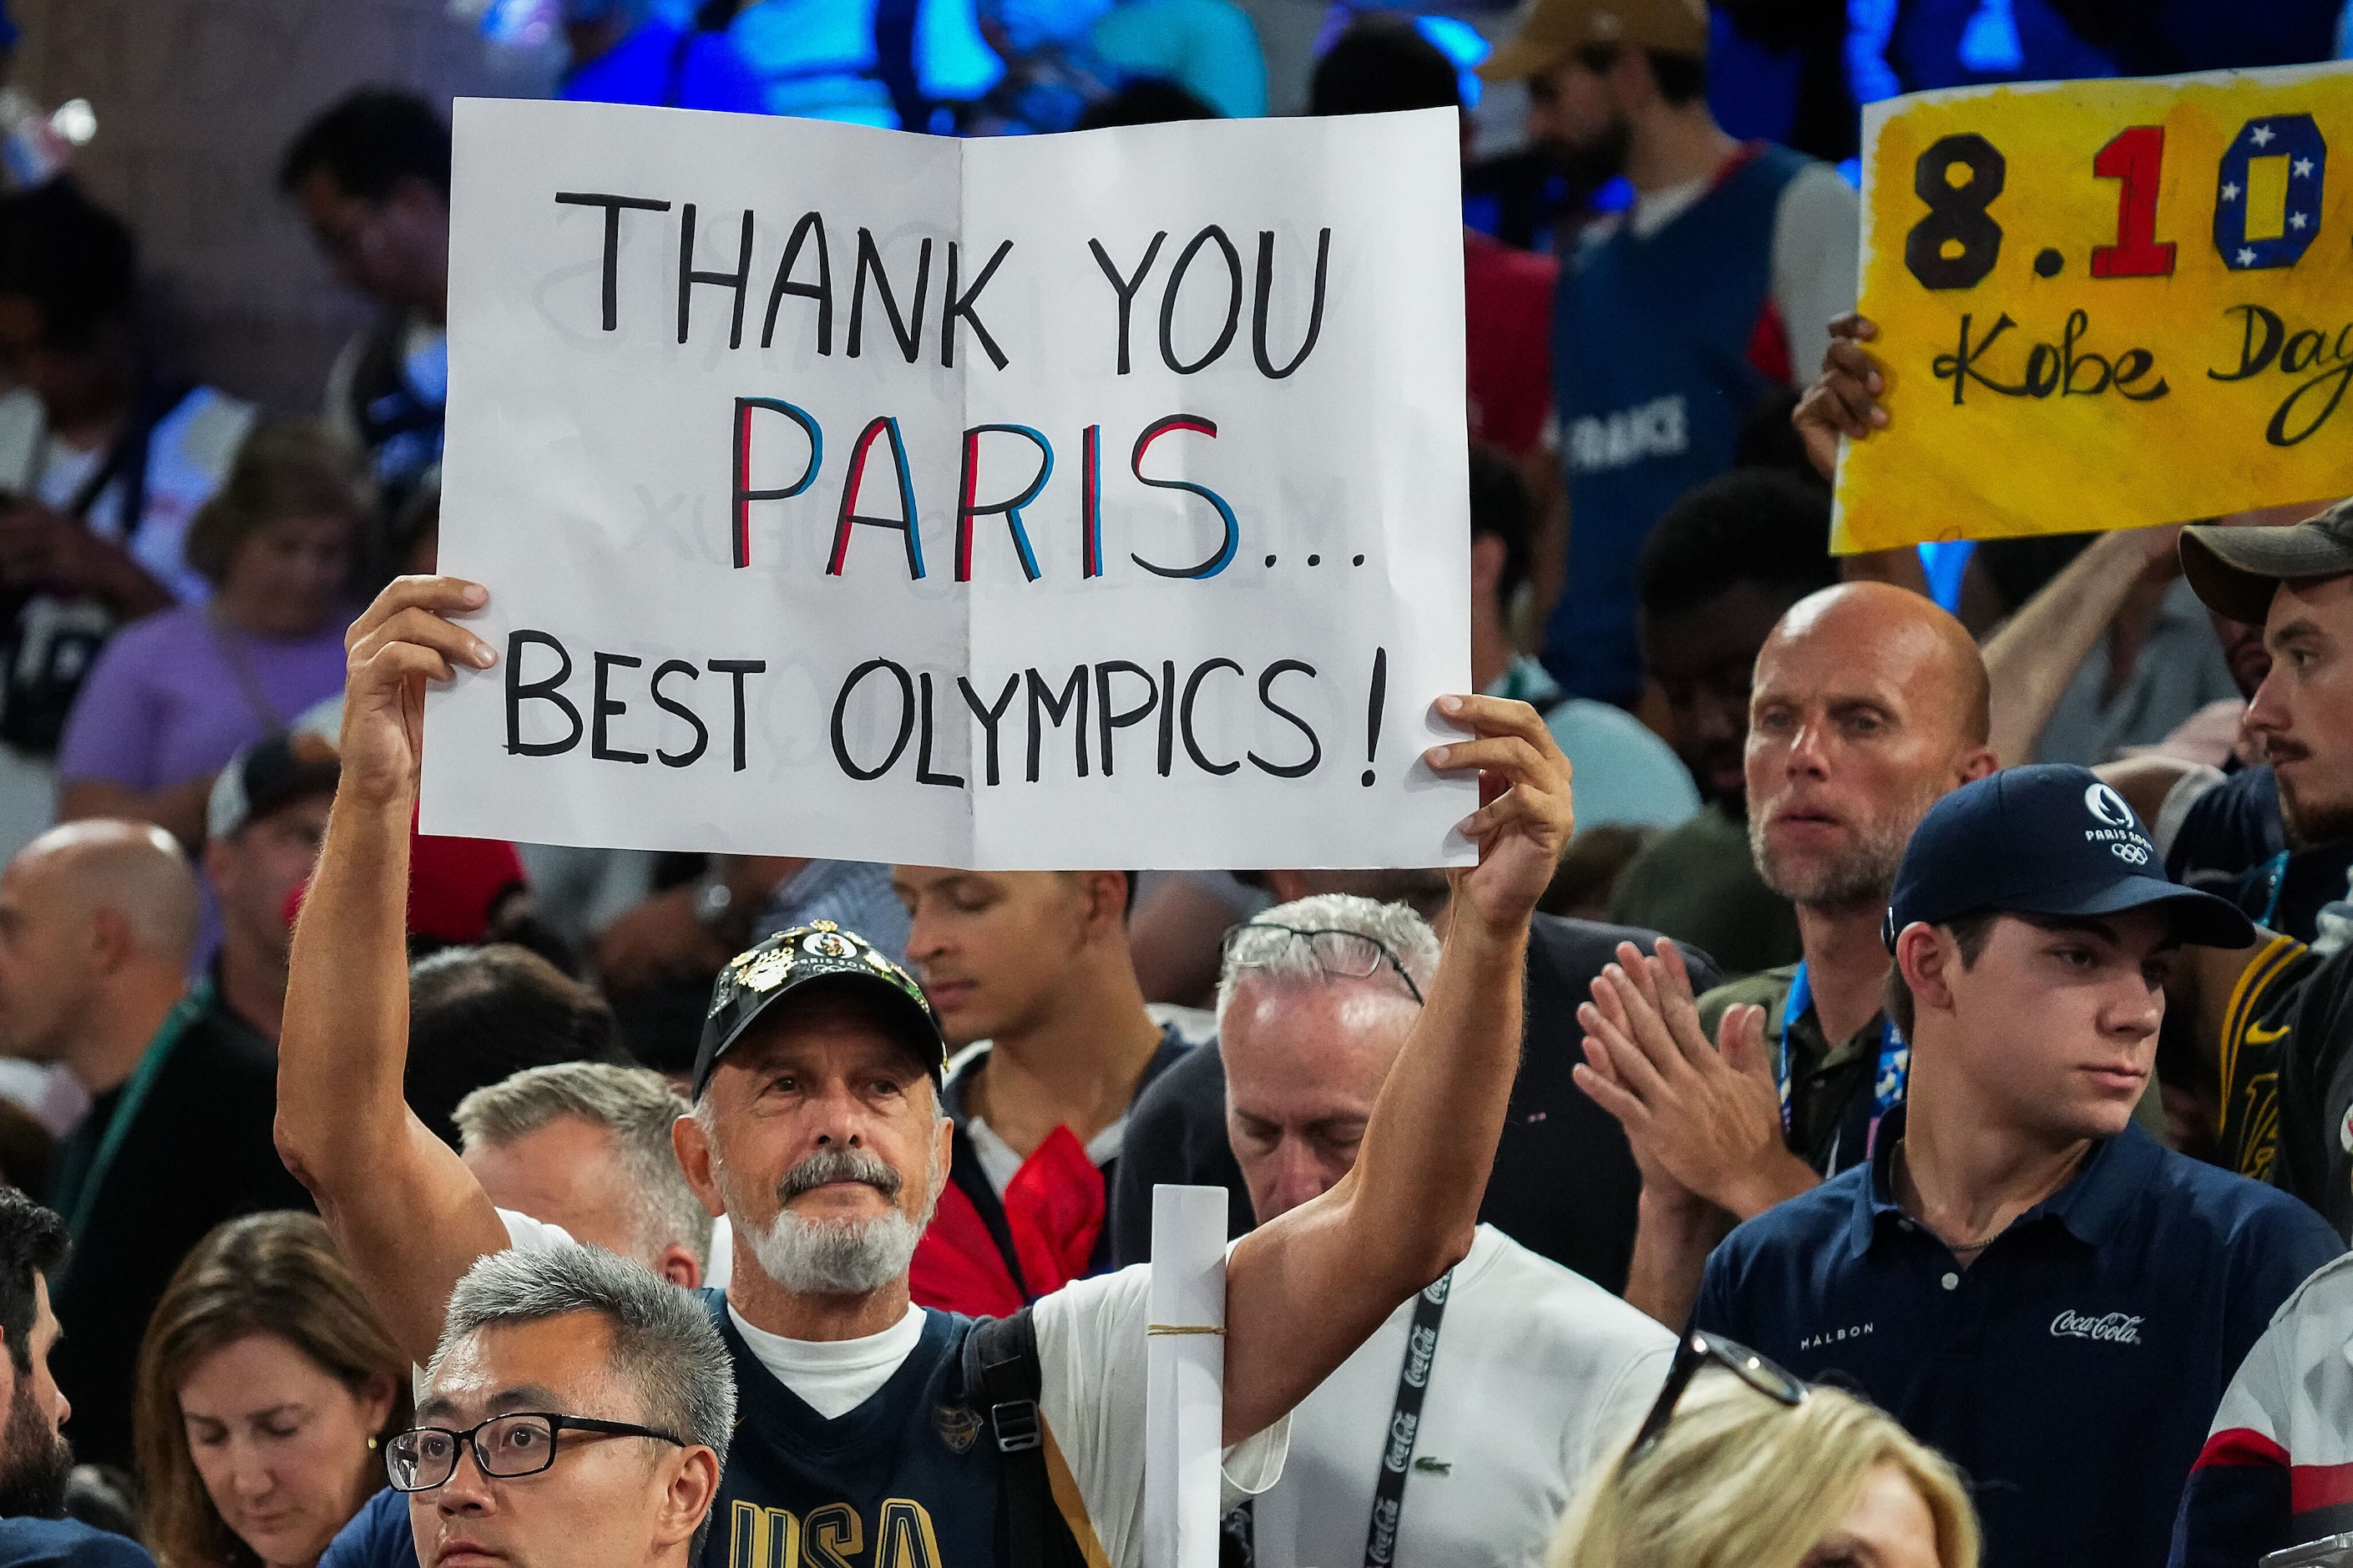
column 1884, row 1095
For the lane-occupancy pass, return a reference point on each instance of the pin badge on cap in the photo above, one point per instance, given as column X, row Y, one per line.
column 767, row 971
column 787, row 961
column 826, row 942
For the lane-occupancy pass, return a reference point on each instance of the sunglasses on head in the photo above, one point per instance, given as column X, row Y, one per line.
column 1702, row 1350
column 1348, row 954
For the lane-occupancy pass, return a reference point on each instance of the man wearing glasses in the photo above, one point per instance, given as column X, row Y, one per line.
column 1462, row 1427
column 1565, row 1183
column 2022, row 1276
column 816, row 1129
column 578, row 1411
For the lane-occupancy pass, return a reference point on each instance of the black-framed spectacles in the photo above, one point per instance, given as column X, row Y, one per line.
column 520, row 1443
column 1350, row 954
column 1703, row 1350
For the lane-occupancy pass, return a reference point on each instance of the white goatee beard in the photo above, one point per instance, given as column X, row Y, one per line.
column 841, row 1257
column 837, row 1257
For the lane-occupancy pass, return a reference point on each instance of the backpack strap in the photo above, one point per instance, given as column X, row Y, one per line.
column 1002, row 1380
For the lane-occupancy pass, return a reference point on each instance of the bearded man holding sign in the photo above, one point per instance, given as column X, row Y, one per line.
column 818, row 1130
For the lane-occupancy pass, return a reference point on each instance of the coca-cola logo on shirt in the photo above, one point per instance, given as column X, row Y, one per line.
column 2115, row 1328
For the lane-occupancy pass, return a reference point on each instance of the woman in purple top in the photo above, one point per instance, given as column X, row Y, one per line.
column 173, row 696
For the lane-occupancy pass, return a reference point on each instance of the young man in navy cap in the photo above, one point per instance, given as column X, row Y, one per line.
column 2019, row 1274
column 817, row 1130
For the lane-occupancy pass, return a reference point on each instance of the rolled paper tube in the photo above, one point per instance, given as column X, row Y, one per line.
column 1185, row 1360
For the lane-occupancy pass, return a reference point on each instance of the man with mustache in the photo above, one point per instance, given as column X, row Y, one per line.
column 1869, row 705
column 35, row 1458
column 2283, row 852
column 2285, row 1058
column 815, row 1089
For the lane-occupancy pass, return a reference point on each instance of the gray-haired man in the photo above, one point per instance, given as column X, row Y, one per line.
column 578, row 1411
column 587, row 1146
column 1461, row 1428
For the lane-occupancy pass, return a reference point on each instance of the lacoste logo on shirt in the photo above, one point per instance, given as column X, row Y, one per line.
column 1832, row 1336
column 2115, row 1328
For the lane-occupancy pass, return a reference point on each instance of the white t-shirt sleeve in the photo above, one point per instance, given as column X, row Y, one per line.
column 1091, row 1347
column 526, row 1234
column 1622, row 1409
column 1816, row 250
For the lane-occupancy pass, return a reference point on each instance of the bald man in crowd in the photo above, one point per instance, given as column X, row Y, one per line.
column 97, row 922
column 1869, row 705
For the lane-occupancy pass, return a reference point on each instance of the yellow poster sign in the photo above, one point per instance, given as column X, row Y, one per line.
column 2104, row 304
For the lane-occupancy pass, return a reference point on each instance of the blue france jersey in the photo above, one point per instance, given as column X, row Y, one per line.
column 1652, row 374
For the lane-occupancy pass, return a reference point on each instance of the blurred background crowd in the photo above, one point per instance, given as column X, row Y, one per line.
column 223, row 369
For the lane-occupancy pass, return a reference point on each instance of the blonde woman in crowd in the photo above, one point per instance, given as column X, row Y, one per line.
column 267, row 1389
column 1752, row 1469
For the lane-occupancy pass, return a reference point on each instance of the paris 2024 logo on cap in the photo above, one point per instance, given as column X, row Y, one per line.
column 2118, row 830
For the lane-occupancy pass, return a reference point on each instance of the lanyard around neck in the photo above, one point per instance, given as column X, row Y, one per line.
column 1887, row 1078
column 78, row 1193
column 1405, row 1422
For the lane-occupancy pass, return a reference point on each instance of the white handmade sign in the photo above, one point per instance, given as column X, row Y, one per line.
column 1050, row 501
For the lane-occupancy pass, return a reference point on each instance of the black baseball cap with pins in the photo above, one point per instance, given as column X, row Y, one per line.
column 820, row 954
column 2046, row 840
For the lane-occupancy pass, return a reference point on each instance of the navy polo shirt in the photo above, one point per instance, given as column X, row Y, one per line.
column 2072, row 1371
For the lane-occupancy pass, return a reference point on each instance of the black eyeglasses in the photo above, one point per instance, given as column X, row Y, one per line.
column 1350, row 954
column 1697, row 1351
column 520, row 1444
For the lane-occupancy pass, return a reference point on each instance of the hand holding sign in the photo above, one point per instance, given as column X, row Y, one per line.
column 2113, row 284
column 1844, row 400
column 1526, row 817
column 400, row 644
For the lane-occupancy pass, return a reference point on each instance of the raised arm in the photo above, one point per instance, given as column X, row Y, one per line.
column 1304, row 1291
column 409, row 1217
column 2034, row 656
